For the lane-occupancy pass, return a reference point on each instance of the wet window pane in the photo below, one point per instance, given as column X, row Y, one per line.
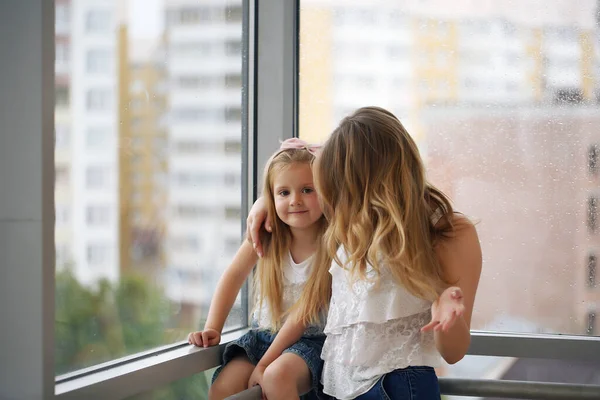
column 504, row 108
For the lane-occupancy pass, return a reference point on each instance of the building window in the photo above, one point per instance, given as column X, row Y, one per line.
column 233, row 48
column 191, row 211
column 62, row 175
column 232, row 179
column 98, row 99
column 62, row 53
column 62, row 136
column 98, row 61
column 185, row 243
column 233, row 114
column 234, row 14
column 62, row 214
column 592, row 213
column 97, row 215
column 97, row 21
column 95, row 177
column 591, row 323
column 96, row 137
column 233, row 147
column 97, row 254
column 231, row 245
column 591, row 271
column 233, row 81
column 234, row 213
column 593, row 154
column 62, row 16
column 61, row 94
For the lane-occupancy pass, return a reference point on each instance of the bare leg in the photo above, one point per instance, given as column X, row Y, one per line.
column 232, row 379
column 286, row 378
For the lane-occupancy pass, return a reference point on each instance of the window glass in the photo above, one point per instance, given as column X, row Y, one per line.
column 504, row 108
column 131, row 274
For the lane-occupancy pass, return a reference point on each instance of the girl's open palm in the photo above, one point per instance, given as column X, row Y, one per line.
column 446, row 310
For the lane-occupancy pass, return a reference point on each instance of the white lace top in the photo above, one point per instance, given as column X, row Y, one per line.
column 294, row 278
column 373, row 327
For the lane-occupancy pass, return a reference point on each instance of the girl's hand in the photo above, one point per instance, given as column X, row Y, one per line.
column 446, row 310
column 206, row 338
column 256, row 217
column 257, row 376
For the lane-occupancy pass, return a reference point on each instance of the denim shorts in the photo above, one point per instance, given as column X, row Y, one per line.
column 412, row 383
column 255, row 344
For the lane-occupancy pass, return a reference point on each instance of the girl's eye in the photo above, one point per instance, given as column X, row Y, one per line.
column 284, row 193
column 307, row 190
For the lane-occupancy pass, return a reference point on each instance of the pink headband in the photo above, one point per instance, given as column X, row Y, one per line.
column 295, row 143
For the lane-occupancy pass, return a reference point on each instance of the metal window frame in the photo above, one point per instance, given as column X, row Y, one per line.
column 26, row 210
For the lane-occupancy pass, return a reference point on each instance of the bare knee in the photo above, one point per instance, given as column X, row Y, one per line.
column 279, row 382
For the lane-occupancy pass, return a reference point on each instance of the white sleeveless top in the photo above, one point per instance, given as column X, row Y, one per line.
column 294, row 279
column 373, row 327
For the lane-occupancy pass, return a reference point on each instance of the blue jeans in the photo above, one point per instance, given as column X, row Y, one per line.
column 412, row 383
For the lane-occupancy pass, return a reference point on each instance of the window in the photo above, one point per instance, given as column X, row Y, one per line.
column 97, row 215
column 233, row 114
column 592, row 213
column 62, row 175
column 97, row 137
column 509, row 147
column 591, row 270
column 233, row 213
column 233, row 48
column 233, row 81
column 185, row 243
column 62, row 214
column 63, row 16
column 234, row 14
column 98, row 61
column 98, row 99
column 96, row 177
column 125, row 224
column 62, row 52
column 233, row 147
column 192, row 114
column 62, row 96
column 593, row 154
column 97, row 254
column 232, row 179
column 192, row 211
column 98, row 21
column 62, row 136
column 502, row 132
column 109, row 304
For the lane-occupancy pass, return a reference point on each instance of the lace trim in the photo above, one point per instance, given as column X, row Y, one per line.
column 374, row 301
column 372, row 350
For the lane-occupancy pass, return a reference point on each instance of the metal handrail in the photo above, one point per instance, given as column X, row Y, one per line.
column 490, row 388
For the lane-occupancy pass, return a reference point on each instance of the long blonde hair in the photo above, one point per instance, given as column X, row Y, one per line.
column 269, row 274
column 370, row 172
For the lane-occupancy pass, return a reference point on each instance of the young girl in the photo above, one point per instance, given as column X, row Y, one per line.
column 284, row 368
column 405, row 266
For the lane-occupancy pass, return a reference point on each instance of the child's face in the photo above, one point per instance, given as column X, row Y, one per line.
column 296, row 200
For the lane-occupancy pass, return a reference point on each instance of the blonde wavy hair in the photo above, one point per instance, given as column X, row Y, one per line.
column 269, row 274
column 370, row 172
